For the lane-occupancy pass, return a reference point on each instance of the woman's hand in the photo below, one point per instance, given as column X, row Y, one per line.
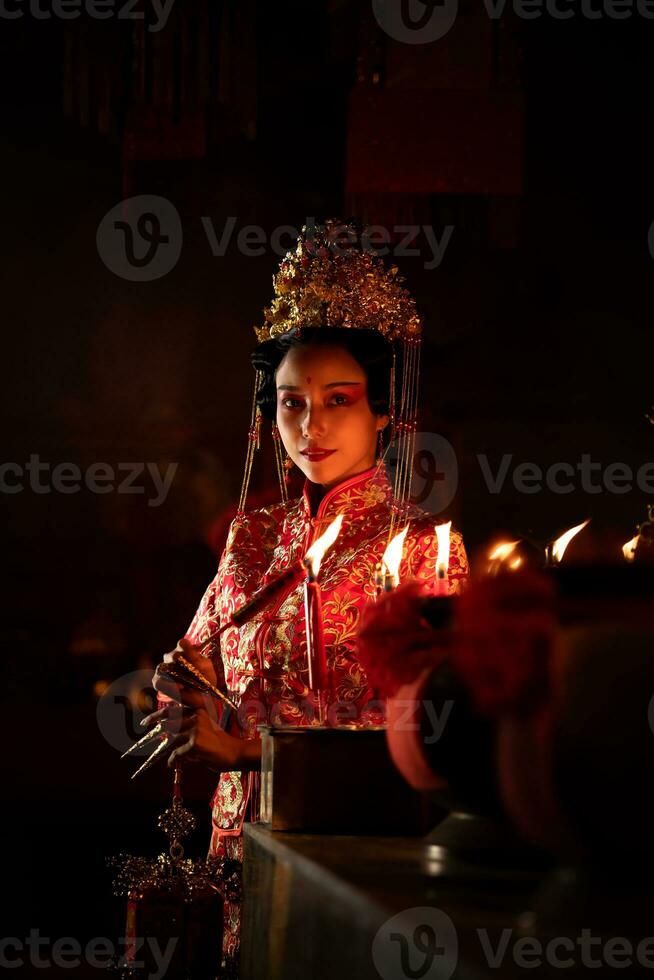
column 197, row 736
column 188, row 696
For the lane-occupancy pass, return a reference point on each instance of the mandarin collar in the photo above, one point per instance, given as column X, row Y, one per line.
column 333, row 500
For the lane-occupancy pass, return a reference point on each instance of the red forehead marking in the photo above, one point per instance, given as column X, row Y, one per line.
column 308, row 381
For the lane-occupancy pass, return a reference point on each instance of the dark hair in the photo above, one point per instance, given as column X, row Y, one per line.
column 368, row 348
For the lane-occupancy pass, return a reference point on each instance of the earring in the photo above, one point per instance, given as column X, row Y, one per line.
column 380, row 446
column 288, row 466
column 283, row 464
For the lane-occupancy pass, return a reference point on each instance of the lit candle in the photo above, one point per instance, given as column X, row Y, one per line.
column 556, row 549
column 498, row 557
column 379, row 579
column 442, row 585
column 316, row 655
column 391, row 561
column 289, row 578
column 629, row 549
column 315, row 637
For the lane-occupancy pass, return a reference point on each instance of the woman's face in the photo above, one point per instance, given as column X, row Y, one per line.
column 323, row 415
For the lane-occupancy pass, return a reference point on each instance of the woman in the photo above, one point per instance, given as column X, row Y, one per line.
column 337, row 374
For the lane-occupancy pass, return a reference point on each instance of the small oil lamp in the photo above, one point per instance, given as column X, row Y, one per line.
column 499, row 555
column 629, row 549
column 556, row 549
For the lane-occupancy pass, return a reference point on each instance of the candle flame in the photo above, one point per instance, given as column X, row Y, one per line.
column 502, row 550
column 559, row 546
column 393, row 555
column 443, row 538
column 516, row 563
column 629, row 549
column 316, row 552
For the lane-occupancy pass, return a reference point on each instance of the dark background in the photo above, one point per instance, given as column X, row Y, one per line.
column 531, row 138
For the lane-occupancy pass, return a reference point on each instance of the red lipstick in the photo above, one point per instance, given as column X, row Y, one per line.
column 315, row 454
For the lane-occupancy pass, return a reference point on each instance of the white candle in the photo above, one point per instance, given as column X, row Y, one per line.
column 442, row 585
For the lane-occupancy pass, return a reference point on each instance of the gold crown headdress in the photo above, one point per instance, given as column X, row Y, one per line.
column 333, row 278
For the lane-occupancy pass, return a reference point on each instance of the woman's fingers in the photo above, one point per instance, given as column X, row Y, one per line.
column 190, row 650
column 183, row 743
column 153, row 718
column 200, row 739
column 183, row 749
column 174, row 740
column 179, row 724
column 193, row 652
column 183, row 695
column 184, row 646
column 168, row 711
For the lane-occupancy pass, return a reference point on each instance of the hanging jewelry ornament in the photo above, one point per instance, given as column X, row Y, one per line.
column 175, row 902
column 288, row 466
column 282, row 477
column 254, row 443
column 380, row 446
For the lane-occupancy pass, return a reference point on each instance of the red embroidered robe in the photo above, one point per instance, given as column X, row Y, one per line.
column 263, row 543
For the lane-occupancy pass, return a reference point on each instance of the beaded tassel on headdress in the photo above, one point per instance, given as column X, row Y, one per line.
column 254, row 443
column 405, row 433
column 332, row 278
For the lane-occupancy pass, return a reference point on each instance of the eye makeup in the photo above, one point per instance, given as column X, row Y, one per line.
column 349, row 398
column 353, row 395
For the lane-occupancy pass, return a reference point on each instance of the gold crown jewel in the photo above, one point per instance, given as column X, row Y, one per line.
column 333, row 279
